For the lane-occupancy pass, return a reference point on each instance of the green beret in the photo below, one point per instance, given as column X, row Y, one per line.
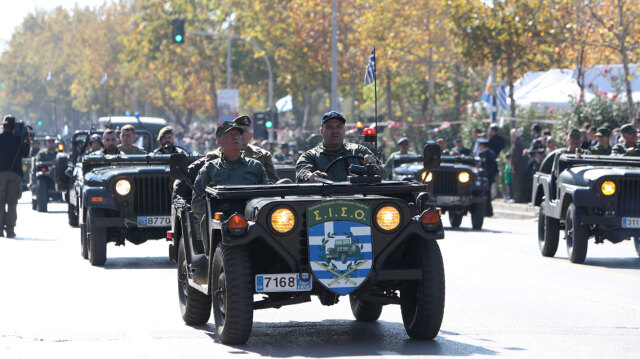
column 628, row 128
column 164, row 131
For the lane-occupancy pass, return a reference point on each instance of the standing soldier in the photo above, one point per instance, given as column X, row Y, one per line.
column 128, row 137
column 628, row 148
column 443, row 146
column 490, row 166
column 250, row 151
column 459, row 149
column 165, row 142
column 50, row 154
column 313, row 163
column 602, row 146
column 12, row 150
column 403, row 146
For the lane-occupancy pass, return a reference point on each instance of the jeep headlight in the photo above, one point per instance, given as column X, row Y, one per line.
column 388, row 218
column 123, row 187
column 283, row 220
column 608, row 188
column 428, row 175
column 463, row 177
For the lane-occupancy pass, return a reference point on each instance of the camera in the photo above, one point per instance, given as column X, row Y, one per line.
column 24, row 132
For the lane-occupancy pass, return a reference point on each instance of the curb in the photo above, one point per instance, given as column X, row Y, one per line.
column 513, row 210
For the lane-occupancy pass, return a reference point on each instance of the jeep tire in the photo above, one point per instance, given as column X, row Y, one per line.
column 43, row 195
column 548, row 233
column 195, row 306
column 34, row 204
column 232, row 294
column 97, row 241
column 364, row 311
column 576, row 235
column 455, row 219
column 636, row 242
column 73, row 216
column 477, row 215
column 422, row 301
column 84, row 246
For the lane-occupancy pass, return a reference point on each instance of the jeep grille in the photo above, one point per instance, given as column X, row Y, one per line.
column 628, row 204
column 152, row 195
column 445, row 182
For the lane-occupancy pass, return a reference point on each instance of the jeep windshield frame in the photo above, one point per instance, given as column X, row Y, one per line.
column 567, row 161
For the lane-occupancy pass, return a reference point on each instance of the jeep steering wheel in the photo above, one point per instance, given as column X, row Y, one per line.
column 159, row 149
column 339, row 159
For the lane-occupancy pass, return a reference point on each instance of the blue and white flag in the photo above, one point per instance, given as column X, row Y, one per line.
column 104, row 78
column 65, row 131
column 488, row 91
column 502, row 96
column 285, row 104
column 49, row 76
column 370, row 74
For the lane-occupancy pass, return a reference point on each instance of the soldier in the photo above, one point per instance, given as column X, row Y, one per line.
column 12, row 150
column 95, row 142
column 403, row 146
column 165, row 142
column 459, row 149
column 250, row 151
column 573, row 145
column 50, row 153
column 231, row 168
column 443, row 146
column 128, row 137
column 628, row 148
column 110, row 144
column 490, row 166
column 602, row 146
column 312, row 163
column 284, row 156
column 35, row 148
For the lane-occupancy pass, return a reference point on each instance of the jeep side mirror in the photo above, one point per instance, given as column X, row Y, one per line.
column 431, row 156
column 178, row 166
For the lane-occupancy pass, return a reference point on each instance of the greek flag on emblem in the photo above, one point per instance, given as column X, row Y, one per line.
column 340, row 250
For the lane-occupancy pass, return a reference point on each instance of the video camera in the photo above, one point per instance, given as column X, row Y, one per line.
column 25, row 132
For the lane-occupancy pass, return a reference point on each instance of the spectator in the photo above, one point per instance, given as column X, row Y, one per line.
column 519, row 166
column 536, row 139
column 432, row 135
column 551, row 144
column 489, row 164
column 459, row 149
column 496, row 140
column 507, row 177
column 476, row 134
column 591, row 136
column 443, row 146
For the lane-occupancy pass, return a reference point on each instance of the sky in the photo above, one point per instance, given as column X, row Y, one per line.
column 12, row 12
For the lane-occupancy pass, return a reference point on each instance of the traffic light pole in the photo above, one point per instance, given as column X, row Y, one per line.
column 264, row 55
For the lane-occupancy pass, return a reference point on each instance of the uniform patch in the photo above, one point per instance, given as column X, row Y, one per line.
column 340, row 251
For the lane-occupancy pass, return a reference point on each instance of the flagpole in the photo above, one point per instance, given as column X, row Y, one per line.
column 55, row 121
column 375, row 100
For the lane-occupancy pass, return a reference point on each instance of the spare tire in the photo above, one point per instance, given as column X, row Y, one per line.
column 62, row 180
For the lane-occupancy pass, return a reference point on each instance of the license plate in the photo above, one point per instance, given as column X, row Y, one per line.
column 154, row 221
column 447, row 199
column 630, row 222
column 285, row 282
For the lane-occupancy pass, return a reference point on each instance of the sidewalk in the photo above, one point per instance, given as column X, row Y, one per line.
column 513, row 210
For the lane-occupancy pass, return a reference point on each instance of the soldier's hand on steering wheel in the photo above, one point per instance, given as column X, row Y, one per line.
column 368, row 159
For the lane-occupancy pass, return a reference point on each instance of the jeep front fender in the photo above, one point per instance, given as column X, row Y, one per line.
column 98, row 198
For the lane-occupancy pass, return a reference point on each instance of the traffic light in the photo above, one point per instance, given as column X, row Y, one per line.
column 177, row 34
column 39, row 122
column 260, row 125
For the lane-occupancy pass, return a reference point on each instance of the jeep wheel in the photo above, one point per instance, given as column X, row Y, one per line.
column 84, row 249
column 455, row 219
column 97, row 242
column 636, row 241
column 34, row 204
column 422, row 301
column 232, row 289
column 576, row 235
column 73, row 217
column 43, row 196
column 343, row 257
column 364, row 311
column 195, row 307
column 477, row 215
column 548, row 234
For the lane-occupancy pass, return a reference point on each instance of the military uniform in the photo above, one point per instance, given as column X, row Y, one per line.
column 599, row 150
column 388, row 166
column 258, row 154
column 46, row 156
column 167, row 150
column 280, row 157
column 621, row 149
column 134, row 150
column 244, row 171
column 102, row 153
column 318, row 158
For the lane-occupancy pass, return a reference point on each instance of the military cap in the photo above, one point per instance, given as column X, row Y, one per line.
column 603, row 131
column 628, row 128
column 483, row 141
column 284, row 145
column 165, row 130
column 333, row 115
column 95, row 137
column 49, row 138
column 403, row 139
column 243, row 120
column 575, row 131
column 457, row 139
column 227, row 126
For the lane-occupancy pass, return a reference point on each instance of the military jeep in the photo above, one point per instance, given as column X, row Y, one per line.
column 459, row 185
column 370, row 239
column 42, row 181
column 587, row 196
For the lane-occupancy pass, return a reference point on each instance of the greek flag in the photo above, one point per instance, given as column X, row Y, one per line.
column 370, row 74
column 285, row 104
column 104, row 78
column 488, row 91
column 502, row 96
column 49, row 76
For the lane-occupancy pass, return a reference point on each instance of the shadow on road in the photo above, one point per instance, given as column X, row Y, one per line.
column 139, row 263
column 333, row 338
column 617, row 263
column 483, row 230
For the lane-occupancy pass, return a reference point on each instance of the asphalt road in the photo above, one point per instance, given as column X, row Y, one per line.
column 503, row 299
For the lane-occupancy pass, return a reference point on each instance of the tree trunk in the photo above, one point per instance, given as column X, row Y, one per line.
column 431, row 109
column 388, row 91
column 625, row 60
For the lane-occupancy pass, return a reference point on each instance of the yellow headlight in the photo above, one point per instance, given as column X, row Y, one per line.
column 123, row 187
column 429, row 176
column 463, row 177
column 283, row 220
column 608, row 188
column 388, row 218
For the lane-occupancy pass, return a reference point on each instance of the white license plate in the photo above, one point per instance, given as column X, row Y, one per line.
column 154, row 221
column 285, row 282
column 630, row 222
column 447, row 199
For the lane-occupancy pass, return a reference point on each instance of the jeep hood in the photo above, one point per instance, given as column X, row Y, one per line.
column 102, row 175
column 589, row 174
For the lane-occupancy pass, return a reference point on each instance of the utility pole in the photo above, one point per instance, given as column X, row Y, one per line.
column 335, row 101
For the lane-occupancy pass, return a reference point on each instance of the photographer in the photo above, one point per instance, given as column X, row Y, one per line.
column 13, row 147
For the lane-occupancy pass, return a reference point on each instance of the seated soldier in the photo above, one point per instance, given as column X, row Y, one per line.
column 109, row 144
column 128, row 137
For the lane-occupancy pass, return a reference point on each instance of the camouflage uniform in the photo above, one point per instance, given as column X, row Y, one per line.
column 621, row 149
column 258, row 154
column 318, row 158
column 135, row 150
column 244, row 171
column 599, row 150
